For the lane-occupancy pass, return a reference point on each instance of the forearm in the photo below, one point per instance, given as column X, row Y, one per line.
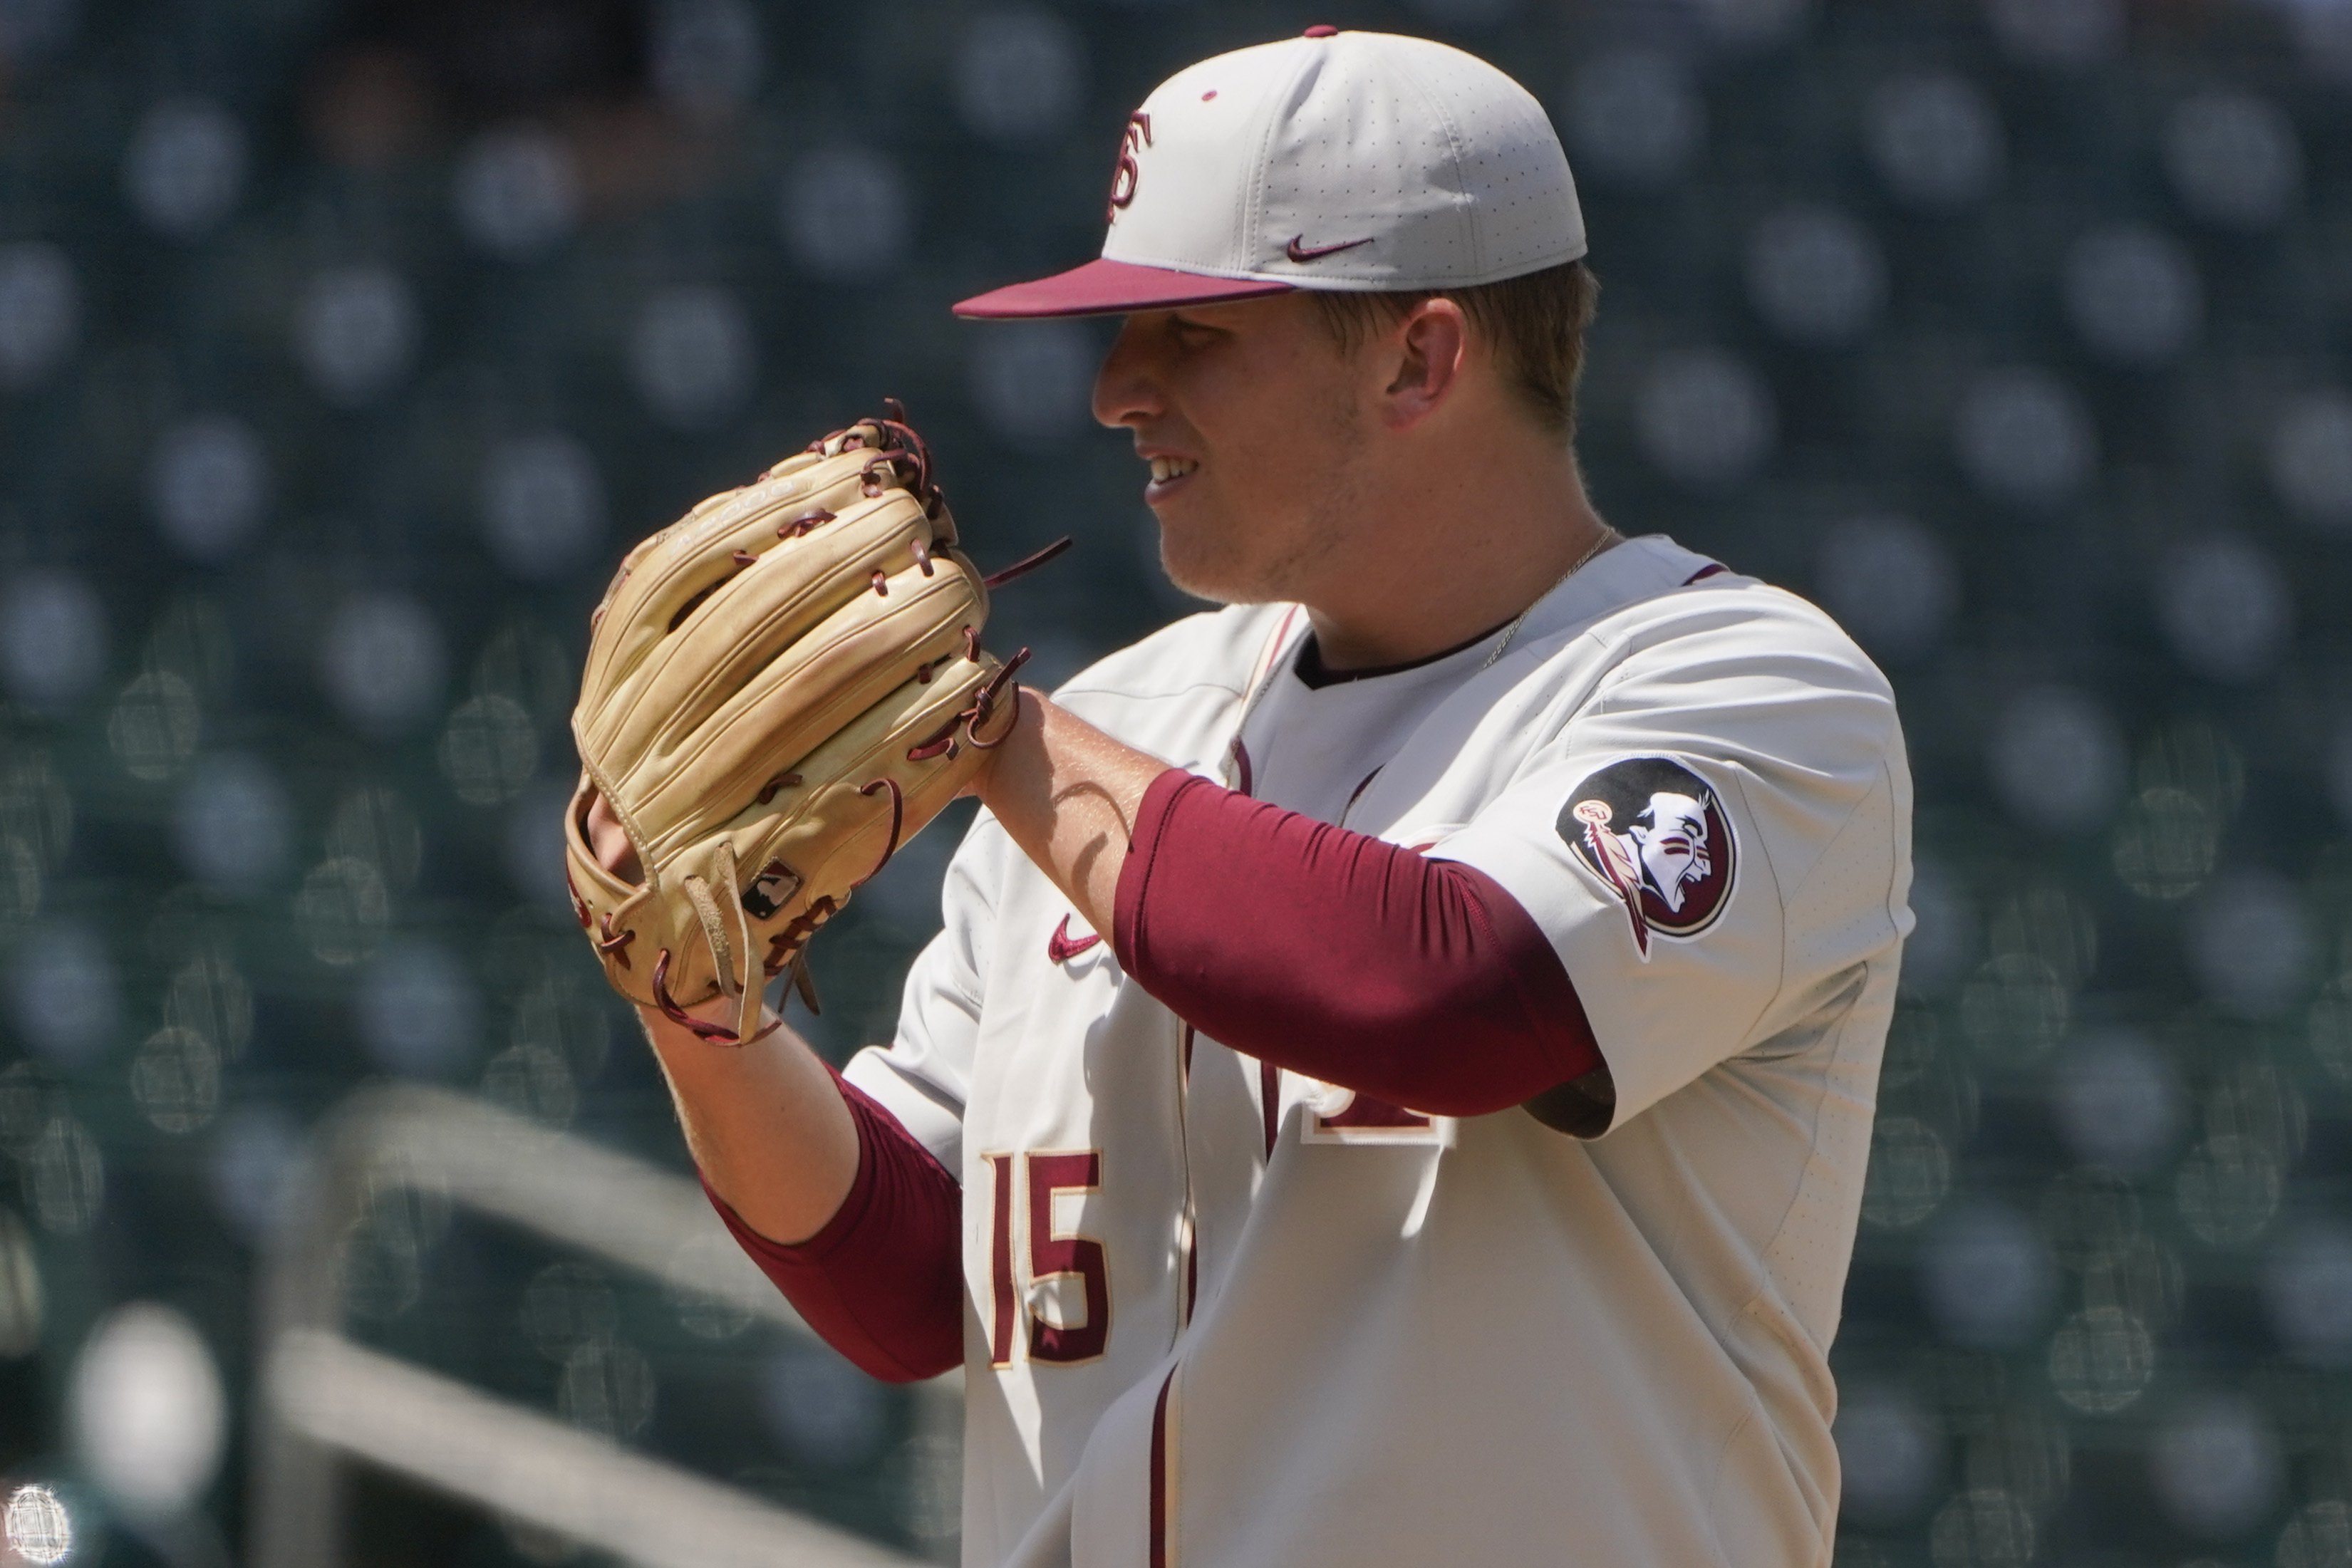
column 882, row 1282
column 1068, row 795
column 765, row 1123
column 1304, row 945
column 763, row 1120
column 856, row 1222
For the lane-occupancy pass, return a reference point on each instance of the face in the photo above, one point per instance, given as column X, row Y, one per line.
column 1248, row 415
column 1673, row 844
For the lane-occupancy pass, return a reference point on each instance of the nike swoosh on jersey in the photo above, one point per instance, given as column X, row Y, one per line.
column 1299, row 250
column 1060, row 948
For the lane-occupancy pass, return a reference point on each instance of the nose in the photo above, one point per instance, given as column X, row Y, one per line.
column 1128, row 387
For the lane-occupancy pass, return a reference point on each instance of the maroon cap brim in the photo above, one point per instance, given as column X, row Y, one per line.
column 1110, row 287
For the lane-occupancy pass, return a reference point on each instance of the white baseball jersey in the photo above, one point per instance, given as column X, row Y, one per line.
column 1208, row 1326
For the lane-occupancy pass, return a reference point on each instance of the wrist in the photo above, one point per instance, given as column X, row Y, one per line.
column 1028, row 713
column 666, row 1032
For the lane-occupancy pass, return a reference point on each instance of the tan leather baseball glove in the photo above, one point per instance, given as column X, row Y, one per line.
column 782, row 687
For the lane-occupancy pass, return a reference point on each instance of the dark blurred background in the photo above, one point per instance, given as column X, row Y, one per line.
column 343, row 348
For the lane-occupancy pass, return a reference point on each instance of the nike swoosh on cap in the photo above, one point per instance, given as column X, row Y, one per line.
column 1299, row 250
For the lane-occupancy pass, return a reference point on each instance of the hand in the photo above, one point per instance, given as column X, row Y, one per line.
column 611, row 841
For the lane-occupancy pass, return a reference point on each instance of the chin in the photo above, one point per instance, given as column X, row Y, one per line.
column 1209, row 575
column 1246, row 564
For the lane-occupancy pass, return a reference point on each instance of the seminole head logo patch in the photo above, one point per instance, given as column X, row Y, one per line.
column 1654, row 831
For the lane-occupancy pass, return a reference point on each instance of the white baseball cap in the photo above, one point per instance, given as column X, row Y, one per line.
column 1340, row 161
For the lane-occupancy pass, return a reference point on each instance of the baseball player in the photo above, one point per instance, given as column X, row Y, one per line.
column 1395, row 1081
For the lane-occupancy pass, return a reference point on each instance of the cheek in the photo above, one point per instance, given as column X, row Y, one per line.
column 1290, row 465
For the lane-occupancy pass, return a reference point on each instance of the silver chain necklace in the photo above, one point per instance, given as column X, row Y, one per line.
column 1609, row 536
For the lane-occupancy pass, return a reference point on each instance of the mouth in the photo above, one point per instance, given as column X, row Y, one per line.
column 1167, row 473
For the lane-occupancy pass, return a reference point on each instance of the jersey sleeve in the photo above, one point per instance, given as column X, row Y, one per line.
column 1711, row 839
column 923, row 1076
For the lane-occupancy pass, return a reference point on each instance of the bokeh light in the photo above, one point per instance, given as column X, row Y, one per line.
column 2024, row 437
column 40, row 312
column 2118, row 1100
column 1890, row 1452
column 707, row 56
column 1987, row 1275
column 488, row 749
column 2307, row 1291
column 2318, row 1536
column 1706, row 419
column 1634, row 117
column 356, row 332
column 23, row 1302
column 607, row 1387
column 2225, row 607
column 2057, row 759
column 1982, row 1528
column 343, row 910
column 692, row 355
column 1815, row 275
column 517, row 193
column 64, row 992
column 568, row 1306
column 707, row 1274
column 2233, row 159
column 2250, row 943
column 207, row 485
column 175, row 1080
column 534, row 1082
column 2062, row 34
column 38, row 1528
column 543, row 508
column 53, row 638
column 1753, row 23
column 2133, row 295
column 232, row 825
column 419, row 1011
column 186, row 166
column 823, row 1411
column 382, row 662
column 2100, row 1360
column 2218, row 1467
column 1891, row 582
column 63, row 1175
column 2310, row 452
column 1030, row 383
column 150, row 1415
column 1936, row 139
column 256, row 1151
column 1018, row 75
column 847, row 213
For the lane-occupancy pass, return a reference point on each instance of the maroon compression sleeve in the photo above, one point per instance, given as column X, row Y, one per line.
column 1336, row 955
column 882, row 1282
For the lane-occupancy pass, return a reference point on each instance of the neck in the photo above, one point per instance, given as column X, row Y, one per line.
column 1438, row 562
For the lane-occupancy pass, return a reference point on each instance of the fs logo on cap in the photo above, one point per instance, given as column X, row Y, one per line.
column 1125, row 175
column 1654, row 832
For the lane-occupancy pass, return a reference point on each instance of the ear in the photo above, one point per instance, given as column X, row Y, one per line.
column 1430, row 348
